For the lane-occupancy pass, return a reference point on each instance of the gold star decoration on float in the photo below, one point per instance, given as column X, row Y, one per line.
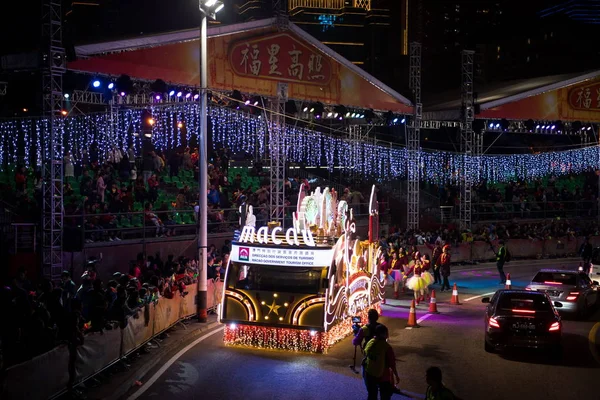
column 274, row 308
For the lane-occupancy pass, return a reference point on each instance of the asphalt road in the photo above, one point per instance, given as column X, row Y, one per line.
column 452, row 340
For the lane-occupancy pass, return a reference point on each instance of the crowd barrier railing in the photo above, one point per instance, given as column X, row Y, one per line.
column 518, row 248
column 47, row 375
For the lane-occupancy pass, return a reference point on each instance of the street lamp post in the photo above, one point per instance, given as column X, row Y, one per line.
column 208, row 9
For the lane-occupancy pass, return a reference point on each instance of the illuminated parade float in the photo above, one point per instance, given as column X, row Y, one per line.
column 298, row 289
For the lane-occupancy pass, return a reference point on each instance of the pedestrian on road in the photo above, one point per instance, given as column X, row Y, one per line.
column 500, row 260
column 435, row 388
column 586, row 251
column 379, row 366
column 436, row 254
column 445, row 267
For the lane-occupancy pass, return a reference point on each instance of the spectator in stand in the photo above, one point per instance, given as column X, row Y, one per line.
column 131, row 156
column 158, row 163
column 100, row 188
column 140, row 190
column 153, row 219
column 180, row 200
column 68, row 165
column 148, row 166
column 97, row 307
column 174, row 163
column 212, row 270
column 20, row 180
column 69, row 290
column 153, row 188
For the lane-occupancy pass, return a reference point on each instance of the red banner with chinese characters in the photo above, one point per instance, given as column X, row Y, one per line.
column 311, row 75
column 585, row 97
column 280, row 57
column 578, row 102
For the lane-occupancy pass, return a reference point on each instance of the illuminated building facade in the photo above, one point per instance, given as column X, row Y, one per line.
column 370, row 33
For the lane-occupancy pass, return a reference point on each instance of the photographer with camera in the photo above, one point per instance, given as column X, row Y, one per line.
column 363, row 334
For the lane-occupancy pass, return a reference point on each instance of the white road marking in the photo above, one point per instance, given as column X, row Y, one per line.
column 168, row 364
column 481, row 295
column 423, row 318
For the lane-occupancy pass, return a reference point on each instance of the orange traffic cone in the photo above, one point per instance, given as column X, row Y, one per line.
column 454, row 299
column 412, row 316
column 508, row 283
column 433, row 304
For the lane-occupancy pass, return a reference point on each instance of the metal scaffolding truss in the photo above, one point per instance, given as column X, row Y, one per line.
column 277, row 141
column 413, row 140
column 469, row 143
column 54, row 67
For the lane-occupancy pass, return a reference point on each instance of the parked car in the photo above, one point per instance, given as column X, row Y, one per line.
column 522, row 319
column 575, row 290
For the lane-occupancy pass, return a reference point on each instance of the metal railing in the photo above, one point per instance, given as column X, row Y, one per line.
column 505, row 211
column 174, row 223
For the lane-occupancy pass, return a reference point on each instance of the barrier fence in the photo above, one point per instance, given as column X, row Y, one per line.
column 48, row 374
column 518, row 248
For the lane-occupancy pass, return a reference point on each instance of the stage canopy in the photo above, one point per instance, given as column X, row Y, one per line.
column 572, row 97
column 251, row 57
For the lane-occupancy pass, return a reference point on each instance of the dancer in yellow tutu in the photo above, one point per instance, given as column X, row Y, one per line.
column 420, row 281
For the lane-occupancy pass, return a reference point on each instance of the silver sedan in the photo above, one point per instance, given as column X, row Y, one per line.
column 575, row 290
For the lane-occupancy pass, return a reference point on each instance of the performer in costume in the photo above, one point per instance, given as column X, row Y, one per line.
column 396, row 272
column 418, row 283
column 426, row 263
column 436, row 252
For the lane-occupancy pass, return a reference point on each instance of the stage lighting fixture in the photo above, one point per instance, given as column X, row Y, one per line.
column 347, row 114
column 151, row 121
column 395, row 120
column 96, row 83
column 180, row 125
column 172, row 93
column 247, row 102
column 157, row 97
column 188, row 95
column 122, row 94
column 491, row 125
column 67, row 95
column 64, row 113
column 589, row 128
column 552, row 127
column 329, row 114
column 111, row 86
column 219, row 7
column 537, row 126
column 196, row 96
column 210, row 3
column 497, row 126
column 403, row 120
column 179, row 94
column 305, row 109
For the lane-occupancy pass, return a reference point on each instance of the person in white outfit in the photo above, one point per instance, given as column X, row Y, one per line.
column 69, row 167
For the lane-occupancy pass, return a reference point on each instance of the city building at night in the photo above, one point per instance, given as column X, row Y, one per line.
column 369, row 33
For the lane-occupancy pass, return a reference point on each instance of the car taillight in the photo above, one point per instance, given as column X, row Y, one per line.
column 554, row 327
column 527, row 288
column 493, row 323
column 572, row 296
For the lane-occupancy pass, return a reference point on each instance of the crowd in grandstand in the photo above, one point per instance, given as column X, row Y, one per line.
column 550, row 197
column 38, row 317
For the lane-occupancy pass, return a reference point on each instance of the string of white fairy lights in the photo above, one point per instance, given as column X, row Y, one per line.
column 244, row 132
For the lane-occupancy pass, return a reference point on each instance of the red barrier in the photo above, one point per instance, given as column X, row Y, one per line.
column 525, row 248
column 481, row 251
column 38, row 378
column 560, row 247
